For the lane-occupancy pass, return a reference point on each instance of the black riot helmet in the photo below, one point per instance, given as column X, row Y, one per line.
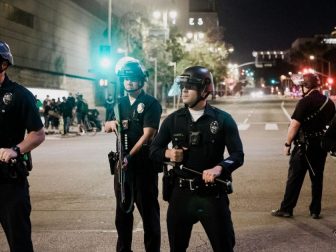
column 311, row 80
column 130, row 68
column 5, row 53
column 198, row 78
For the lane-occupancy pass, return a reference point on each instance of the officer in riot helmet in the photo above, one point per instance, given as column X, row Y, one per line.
column 308, row 123
column 199, row 79
column 309, row 82
column 21, row 130
column 139, row 118
column 199, row 133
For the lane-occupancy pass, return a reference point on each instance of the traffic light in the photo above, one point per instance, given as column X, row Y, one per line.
column 105, row 56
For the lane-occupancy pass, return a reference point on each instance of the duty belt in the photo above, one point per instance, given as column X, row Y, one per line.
column 314, row 134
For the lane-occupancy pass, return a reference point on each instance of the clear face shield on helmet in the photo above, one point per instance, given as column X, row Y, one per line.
column 184, row 81
column 297, row 79
column 131, row 73
column 307, row 82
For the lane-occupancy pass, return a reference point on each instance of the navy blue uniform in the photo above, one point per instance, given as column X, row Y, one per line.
column 308, row 154
column 205, row 140
column 18, row 114
column 144, row 112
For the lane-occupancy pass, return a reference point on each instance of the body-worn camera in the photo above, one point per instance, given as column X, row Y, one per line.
column 194, row 138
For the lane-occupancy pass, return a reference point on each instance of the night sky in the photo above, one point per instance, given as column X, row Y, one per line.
column 272, row 24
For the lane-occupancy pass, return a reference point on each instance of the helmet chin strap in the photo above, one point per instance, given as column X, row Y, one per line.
column 133, row 90
column 199, row 98
column 308, row 91
column 2, row 69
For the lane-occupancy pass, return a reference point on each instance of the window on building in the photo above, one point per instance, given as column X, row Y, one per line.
column 17, row 15
column 201, row 5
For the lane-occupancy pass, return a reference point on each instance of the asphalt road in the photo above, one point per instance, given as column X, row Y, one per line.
column 73, row 201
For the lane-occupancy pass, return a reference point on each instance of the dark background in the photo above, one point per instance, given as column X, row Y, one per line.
column 272, row 24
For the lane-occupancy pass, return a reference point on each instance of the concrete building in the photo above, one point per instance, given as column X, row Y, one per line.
column 53, row 44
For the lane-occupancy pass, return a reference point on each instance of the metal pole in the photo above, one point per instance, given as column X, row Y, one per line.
column 155, row 78
column 109, row 22
column 174, row 65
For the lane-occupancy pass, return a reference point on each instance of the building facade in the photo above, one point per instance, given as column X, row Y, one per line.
column 53, row 44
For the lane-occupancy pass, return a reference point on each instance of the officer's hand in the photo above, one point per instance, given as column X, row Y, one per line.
column 176, row 155
column 126, row 161
column 209, row 175
column 6, row 154
column 111, row 126
column 287, row 150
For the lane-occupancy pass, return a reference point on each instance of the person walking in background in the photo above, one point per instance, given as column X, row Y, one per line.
column 199, row 134
column 310, row 117
column 66, row 111
column 21, row 130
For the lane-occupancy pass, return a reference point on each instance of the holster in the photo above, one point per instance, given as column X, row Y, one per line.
column 168, row 182
column 14, row 171
column 113, row 158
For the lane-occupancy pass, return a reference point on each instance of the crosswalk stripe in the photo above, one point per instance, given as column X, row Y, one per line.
column 271, row 126
column 243, row 126
column 268, row 126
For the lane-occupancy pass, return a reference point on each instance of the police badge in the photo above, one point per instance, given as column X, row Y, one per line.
column 140, row 108
column 7, row 98
column 214, row 127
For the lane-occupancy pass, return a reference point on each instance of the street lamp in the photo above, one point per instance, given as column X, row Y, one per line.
column 313, row 57
column 172, row 15
column 155, row 75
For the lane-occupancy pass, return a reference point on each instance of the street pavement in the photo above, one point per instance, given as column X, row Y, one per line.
column 73, row 201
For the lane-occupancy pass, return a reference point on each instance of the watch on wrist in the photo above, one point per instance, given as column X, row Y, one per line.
column 287, row 145
column 17, row 150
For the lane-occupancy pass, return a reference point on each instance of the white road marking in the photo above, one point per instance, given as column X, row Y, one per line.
column 271, row 126
column 285, row 111
column 243, row 126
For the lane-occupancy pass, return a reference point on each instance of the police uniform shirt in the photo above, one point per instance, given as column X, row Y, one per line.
column 18, row 113
column 217, row 131
column 145, row 112
column 310, row 104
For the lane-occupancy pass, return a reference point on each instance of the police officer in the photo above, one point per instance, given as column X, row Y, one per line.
column 18, row 114
column 310, row 117
column 199, row 134
column 140, row 115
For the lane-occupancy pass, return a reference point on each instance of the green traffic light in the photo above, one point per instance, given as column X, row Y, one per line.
column 105, row 62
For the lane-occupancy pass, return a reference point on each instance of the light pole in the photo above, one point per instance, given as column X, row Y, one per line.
column 109, row 21
column 313, row 57
column 155, row 76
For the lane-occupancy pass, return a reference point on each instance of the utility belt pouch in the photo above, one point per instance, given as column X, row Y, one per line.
column 26, row 160
column 168, row 182
column 113, row 158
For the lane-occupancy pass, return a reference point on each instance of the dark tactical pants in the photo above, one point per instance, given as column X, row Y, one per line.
column 15, row 211
column 298, row 167
column 187, row 207
column 146, row 200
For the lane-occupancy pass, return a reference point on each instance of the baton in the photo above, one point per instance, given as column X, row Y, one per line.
column 182, row 167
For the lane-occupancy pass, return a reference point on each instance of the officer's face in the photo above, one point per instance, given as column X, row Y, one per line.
column 131, row 84
column 189, row 96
